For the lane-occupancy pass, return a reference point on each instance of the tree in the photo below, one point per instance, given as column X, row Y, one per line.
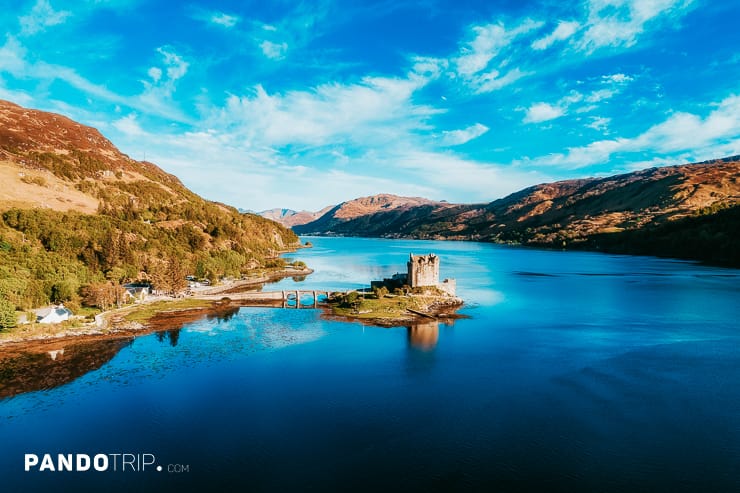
column 7, row 315
column 103, row 295
column 176, row 276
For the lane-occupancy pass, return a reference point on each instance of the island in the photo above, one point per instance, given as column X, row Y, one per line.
column 403, row 298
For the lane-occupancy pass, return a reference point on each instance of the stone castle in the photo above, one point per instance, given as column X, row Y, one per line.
column 422, row 271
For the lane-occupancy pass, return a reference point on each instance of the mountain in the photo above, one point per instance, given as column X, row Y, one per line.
column 619, row 214
column 290, row 218
column 75, row 210
column 352, row 216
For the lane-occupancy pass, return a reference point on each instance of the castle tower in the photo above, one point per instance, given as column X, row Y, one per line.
column 423, row 270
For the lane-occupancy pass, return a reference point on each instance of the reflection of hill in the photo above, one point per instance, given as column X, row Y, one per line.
column 46, row 367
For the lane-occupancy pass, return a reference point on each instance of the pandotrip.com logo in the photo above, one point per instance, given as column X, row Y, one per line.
column 112, row 462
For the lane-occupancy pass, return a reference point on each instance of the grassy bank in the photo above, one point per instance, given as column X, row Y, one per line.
column 145, row 312
column 390, row 308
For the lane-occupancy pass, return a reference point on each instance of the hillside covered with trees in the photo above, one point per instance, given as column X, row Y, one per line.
column 78, row 217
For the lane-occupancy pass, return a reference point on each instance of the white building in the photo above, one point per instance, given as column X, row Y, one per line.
column 52, row 314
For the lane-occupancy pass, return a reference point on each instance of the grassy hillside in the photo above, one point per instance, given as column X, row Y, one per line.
column 75, row 211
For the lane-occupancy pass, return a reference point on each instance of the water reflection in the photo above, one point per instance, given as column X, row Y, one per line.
column 164, row 322
column 423, row 336
column 45, row 366
column 172, row 335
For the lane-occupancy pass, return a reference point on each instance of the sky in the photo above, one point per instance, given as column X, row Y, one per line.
column 303, row 104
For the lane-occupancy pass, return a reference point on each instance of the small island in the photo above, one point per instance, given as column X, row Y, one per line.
column 407, row 297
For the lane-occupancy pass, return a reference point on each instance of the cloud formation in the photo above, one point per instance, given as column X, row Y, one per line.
column 615, row 23
column 224, row 20
column 682, row 132
column 292, row 98
column 42, row 15
column 542, row 112
column 563, row 31
column 463, row 136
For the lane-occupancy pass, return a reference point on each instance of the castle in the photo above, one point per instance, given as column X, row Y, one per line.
column 422, row 271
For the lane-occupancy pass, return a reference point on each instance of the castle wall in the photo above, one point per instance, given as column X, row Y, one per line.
column 423, row 270
column 449, row 286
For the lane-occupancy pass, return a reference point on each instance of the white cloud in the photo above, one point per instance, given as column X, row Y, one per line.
column 129, row 125
column 600, row 95
column 12, row 56
column 474, row 181
column 274, row 51
column 616, row 79
column 473, row 63
column 224, row 20
column 157, row 96
column 176, row 66
column 18, row 97
column 492, row 82
column 716, row 134
column 475, row 55
column 428, row 67
column 155, row 73
column 459, row 137
column 685, row 131
column 618, row 23
column 154, row 100
column 599, row 123
column 42, row 15
column 376, row 109
column 564, row 31
column 542, row 112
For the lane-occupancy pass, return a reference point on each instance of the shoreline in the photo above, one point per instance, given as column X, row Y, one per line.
column 161, row 313
column 115, row 325
column 174, row 318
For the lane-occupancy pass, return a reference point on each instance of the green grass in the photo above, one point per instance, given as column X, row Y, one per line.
column 146, row 312
column 388, row 308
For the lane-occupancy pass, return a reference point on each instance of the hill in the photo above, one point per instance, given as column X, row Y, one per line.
column 352, row 217
column 290, row 218
column 616, row 213
column 75, row 211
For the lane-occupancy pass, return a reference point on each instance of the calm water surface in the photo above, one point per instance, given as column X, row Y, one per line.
column 574, row 372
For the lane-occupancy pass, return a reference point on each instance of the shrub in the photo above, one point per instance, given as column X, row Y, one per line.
column 7, row 315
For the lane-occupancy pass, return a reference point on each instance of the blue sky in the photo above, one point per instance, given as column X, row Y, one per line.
column 265, row 104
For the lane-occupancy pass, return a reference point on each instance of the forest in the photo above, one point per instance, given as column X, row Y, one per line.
column 80, row 259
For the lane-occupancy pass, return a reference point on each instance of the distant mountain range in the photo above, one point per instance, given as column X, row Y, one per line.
column 687, row 211
column 289, row 217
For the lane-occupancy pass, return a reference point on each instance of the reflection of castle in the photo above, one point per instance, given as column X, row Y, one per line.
column 424, row 335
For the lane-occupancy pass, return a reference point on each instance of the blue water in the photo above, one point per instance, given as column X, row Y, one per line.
column 575, row 372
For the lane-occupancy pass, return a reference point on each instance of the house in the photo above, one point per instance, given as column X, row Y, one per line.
column 52, row 314
column 136, row 291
